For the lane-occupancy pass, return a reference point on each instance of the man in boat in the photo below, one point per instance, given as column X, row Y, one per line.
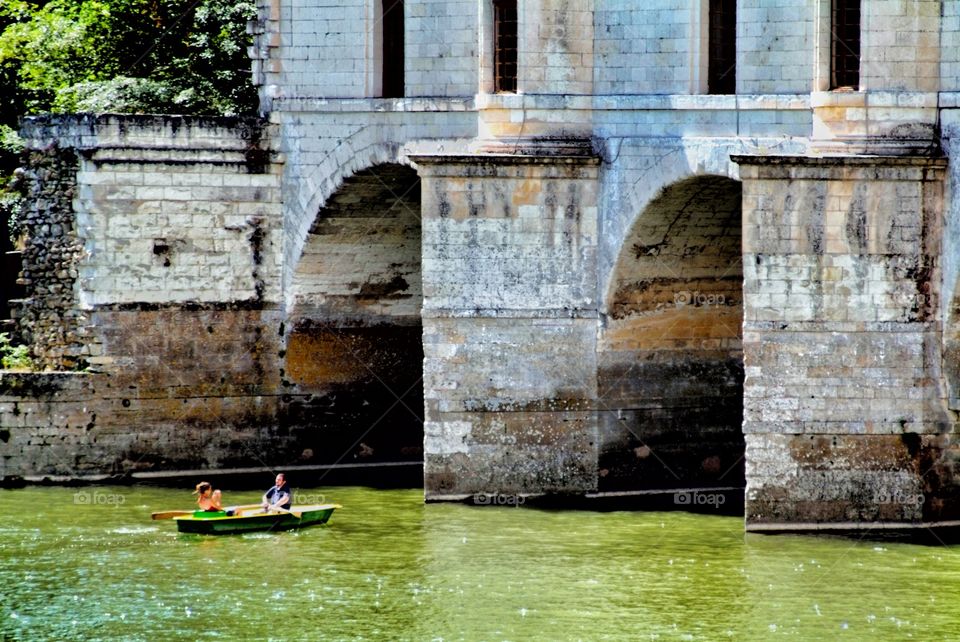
column 279, row 496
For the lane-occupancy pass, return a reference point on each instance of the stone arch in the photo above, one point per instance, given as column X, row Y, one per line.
column 635, row 173
column 353, row 357
column 350, row 155
column 670, row 354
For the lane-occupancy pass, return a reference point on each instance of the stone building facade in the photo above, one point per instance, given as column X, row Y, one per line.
column 586, row 247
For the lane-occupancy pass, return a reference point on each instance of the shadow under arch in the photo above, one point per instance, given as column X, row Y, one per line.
column 670, row 355
column 353, row 352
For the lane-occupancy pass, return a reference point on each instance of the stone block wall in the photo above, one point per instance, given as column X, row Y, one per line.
column 900, row 46
column 555, row 48
column 509, row 287
column 173, row 275
column 320, row 49
column 644, row 49
column 775, row 46
column 49, row 320
column 845, row 410
column 950, row 47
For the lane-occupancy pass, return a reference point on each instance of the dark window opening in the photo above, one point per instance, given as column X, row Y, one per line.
column 845, row 44
column 722, row 61
column 392, row 25
column 505, row 46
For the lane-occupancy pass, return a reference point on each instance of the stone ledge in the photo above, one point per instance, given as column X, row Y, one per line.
column 933, row 533
column 906, row 327
column 840, row 166
column 412, row 104
column 139, row 132
column 646, row 102
column 503, row 313
column 22, row 385
column 838, row 160
column 527, row 157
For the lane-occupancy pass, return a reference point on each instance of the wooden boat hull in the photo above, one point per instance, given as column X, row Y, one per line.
column 222, row 524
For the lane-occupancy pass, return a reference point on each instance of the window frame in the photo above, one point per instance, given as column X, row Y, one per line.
column 722, row 47
column 503, row 81
column 392, row 37
column 845, row 35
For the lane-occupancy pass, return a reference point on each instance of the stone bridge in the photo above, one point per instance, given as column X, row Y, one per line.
column 610, row 283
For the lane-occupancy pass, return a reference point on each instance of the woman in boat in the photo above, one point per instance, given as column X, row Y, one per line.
column 208, row 499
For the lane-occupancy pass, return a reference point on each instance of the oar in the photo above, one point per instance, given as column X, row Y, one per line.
column 284, row 510
column 170, row 514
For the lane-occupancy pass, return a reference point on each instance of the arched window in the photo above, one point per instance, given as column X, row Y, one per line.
column 845, row 44
column 391, row 25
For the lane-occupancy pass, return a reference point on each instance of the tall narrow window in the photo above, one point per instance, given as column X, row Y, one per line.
column 392, row 26
column 722, row 64
column 845, row 44
column 505, row 46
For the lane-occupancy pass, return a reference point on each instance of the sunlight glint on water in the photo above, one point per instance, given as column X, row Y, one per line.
column 389, row 567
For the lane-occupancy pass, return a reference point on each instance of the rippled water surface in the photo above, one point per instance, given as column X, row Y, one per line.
column 89, row 564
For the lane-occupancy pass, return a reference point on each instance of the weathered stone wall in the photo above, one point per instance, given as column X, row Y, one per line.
column 845, row 411
column 186, row 389
column 226, row 286
column 314, row 48
column 509, row 283
column 49, row 319
column 173, row 266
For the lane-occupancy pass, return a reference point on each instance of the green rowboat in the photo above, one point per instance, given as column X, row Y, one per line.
column 219, row 523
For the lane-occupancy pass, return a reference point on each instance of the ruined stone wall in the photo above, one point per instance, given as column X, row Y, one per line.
column 176, row 270
column 49, row 320
column 845, row 411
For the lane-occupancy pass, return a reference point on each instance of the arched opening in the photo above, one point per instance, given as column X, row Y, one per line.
column 670, row 355
column 353, row 362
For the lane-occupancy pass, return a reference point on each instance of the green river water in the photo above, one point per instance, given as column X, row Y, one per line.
column 88, row 564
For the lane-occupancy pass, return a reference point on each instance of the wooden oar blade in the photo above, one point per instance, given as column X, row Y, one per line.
column 170, row 514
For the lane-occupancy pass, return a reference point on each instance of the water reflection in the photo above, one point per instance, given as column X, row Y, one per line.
column 389, row 567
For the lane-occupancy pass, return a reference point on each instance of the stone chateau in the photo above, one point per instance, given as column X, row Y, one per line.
column 560, row 247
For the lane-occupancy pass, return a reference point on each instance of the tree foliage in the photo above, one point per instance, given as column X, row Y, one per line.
column 121, row 56
column 190, row 55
